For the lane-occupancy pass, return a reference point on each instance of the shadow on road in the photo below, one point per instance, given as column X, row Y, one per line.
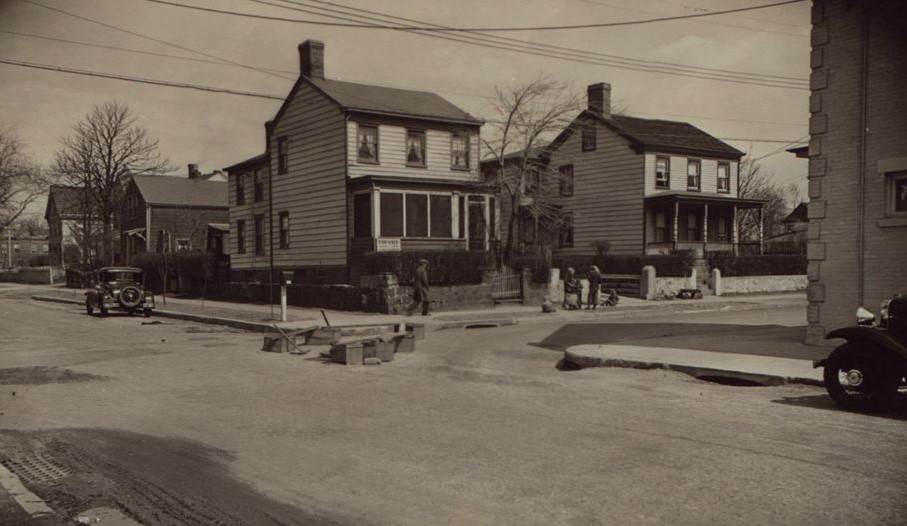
column 763, row 340
column 824, row 402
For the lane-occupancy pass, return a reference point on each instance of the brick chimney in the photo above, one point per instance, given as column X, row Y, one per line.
column 194, row 172
column 599, row 96
column 311, row 59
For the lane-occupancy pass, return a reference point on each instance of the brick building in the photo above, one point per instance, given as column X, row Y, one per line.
column 23, row 251
column 857, row 247
column 168, row 214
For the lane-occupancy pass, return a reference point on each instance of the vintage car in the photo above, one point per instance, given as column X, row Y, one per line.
column 118, row 288
column 869, row 372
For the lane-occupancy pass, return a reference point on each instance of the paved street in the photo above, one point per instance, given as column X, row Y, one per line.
column 177, row 423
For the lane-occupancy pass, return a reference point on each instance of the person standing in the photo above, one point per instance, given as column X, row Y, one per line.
column 595, row 281
column 420, row 289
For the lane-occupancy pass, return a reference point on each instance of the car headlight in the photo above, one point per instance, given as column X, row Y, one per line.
column 883, row 313
column 865, row 317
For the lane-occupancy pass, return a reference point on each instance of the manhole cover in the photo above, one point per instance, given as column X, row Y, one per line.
column 36, row 468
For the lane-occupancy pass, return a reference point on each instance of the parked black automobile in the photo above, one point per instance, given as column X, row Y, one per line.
column 868, row 373
column 118, row 288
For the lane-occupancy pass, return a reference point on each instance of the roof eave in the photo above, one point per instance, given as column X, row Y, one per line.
column 468, row 122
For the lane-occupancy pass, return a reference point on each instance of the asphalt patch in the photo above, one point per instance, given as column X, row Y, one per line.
column 41, row 375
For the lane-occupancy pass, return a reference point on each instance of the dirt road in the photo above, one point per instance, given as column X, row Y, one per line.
column 182, row 424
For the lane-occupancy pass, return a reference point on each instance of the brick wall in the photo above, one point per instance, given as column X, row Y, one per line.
column 857, row 248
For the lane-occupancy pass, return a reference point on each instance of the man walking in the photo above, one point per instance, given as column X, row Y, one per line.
column 420, row 289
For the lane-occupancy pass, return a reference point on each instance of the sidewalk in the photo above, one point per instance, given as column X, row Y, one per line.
column 252, row 315
column 707, row 365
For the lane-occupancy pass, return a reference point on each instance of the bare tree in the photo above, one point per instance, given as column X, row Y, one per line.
column 21, row 180
column 528, row 117
column 106, row 148
column 757, row 183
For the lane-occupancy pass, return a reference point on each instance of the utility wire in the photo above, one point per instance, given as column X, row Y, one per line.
column 140, row 80
column 229, row 91
column 779, row 150
column 580, row 53
column 480, row 29
column 790, row 84
column 157, row 40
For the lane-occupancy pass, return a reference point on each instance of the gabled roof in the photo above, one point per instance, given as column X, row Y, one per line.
column 392, row 101
column 798, row 215
column 258, row 159
column 657, row 135
column 180, row 191
column 68, row 200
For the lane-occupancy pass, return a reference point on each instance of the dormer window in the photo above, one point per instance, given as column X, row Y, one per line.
column 459, row 151
column 367, row 144
column 694, row 170
column 662, row 172
column 415, row 148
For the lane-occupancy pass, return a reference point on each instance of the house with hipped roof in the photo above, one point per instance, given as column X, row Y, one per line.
column 168, row 214
column 350, row 169
column 642, row 186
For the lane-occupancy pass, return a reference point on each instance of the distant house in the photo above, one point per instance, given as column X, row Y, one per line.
column 356, row 168
column 793, row 239
column 643, row 186
column 168, row 214
column 23, row 251
column 66, row 216
column 857, row 160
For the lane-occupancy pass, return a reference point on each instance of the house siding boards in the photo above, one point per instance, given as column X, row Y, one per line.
column 314, row 189
column 678, row 177
column 247, row 212
column 835, row 207
column 392, row 150
column 607, row 201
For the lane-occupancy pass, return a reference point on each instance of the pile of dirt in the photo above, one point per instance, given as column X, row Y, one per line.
column 43, row 375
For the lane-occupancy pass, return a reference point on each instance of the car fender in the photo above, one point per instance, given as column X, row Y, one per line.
column 870, row 335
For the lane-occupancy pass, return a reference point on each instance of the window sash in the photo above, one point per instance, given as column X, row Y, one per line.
column 241, row 236
column 589, row 137
column 415, row 148
column 284, row 230
column 694, row 169
column 662, row 173
column 440, row 217
column 240, row 189
column 566, row 180
column 416, row 215
column 898, row 190
column 391, row 214
column 566, row 237
column 259, row 235
column 362, row 215
column 282, row 155
column 724, row 177
column 367, row 144
column 459, row 150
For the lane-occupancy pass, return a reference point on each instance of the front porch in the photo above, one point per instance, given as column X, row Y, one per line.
column 701, row 223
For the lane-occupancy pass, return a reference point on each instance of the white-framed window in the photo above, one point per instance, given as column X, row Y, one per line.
column 662, row 171
column 367, row 144
column 897, row 193
column 459, row 151
column 724, row 177
column 284, row 223
column 183, row 245
column 408, row 214
column 661, row 227
column 415, row 148
column 694, row 172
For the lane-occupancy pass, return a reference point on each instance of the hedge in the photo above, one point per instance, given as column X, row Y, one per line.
column 772, row 265
column 444, row 267
column 677, row 264
column 193, row 266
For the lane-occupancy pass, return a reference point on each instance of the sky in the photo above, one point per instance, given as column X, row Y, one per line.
column 215, row 130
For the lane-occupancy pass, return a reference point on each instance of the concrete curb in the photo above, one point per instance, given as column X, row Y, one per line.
column 581, row 357
column 198, row 318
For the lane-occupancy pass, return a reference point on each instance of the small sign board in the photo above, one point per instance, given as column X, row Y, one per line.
column 387, row 244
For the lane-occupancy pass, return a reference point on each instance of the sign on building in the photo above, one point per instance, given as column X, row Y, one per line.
column 387, row 244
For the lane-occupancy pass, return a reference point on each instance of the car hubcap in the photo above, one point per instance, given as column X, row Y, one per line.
column 852, row 378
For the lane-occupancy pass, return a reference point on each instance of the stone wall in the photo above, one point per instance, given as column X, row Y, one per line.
column 669, row 287
column 751, row 284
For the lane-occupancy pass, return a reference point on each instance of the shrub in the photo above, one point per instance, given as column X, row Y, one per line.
column 538, row 265
column 677, row 264
column 445, row 267
column 195, row 266
column 774, row 265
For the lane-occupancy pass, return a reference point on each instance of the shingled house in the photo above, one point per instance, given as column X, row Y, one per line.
column 167, row 214
column 356, row 168
column 645, row 186
column 66, row 220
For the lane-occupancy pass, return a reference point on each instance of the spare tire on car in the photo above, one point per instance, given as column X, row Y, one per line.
column 130, row 297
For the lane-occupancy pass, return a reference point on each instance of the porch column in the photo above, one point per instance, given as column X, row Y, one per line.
column 760, row 230
column 734, row 233
column 487, row 214
column 376, row 213
column 705, row 228
column 674, row 226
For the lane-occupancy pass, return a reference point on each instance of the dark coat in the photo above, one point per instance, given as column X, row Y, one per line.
column 421, row 284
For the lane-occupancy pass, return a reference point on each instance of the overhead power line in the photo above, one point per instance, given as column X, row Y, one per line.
column 578, row 56
column 781, row 149
column 480, row 29
column 618, row 60
column 140, row 80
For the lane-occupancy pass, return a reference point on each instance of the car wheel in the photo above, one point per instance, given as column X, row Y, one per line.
column 130, row 297
column 857, row 378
